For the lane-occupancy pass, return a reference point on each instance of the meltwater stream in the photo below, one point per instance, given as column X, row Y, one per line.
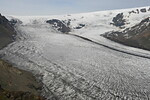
column 74, row 69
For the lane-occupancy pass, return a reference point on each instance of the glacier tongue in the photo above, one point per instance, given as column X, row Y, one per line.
column 72, row 68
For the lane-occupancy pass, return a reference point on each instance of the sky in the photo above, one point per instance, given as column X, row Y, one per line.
column 57, row 7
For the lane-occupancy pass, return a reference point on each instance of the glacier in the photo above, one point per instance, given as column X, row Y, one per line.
column 72, row 68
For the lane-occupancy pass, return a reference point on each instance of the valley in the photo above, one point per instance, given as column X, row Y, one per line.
column 74, row 62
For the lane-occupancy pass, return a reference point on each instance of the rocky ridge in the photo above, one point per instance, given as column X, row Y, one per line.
column 136, row 36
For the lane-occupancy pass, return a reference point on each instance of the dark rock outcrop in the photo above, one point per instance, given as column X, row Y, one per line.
column 143, row 10
column 15, row 21
column 130, row 12
column 67, row 22
column 59, row 25
column 138, row 11
column 136, row 36
column 80, row 26
column 7, row 32
column 119, row 20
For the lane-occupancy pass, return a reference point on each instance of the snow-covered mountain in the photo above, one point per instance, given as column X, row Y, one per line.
column 74, row 62
column 90, row 25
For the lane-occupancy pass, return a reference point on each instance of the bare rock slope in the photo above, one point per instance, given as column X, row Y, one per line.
column 17, row 84
column 7, row 32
